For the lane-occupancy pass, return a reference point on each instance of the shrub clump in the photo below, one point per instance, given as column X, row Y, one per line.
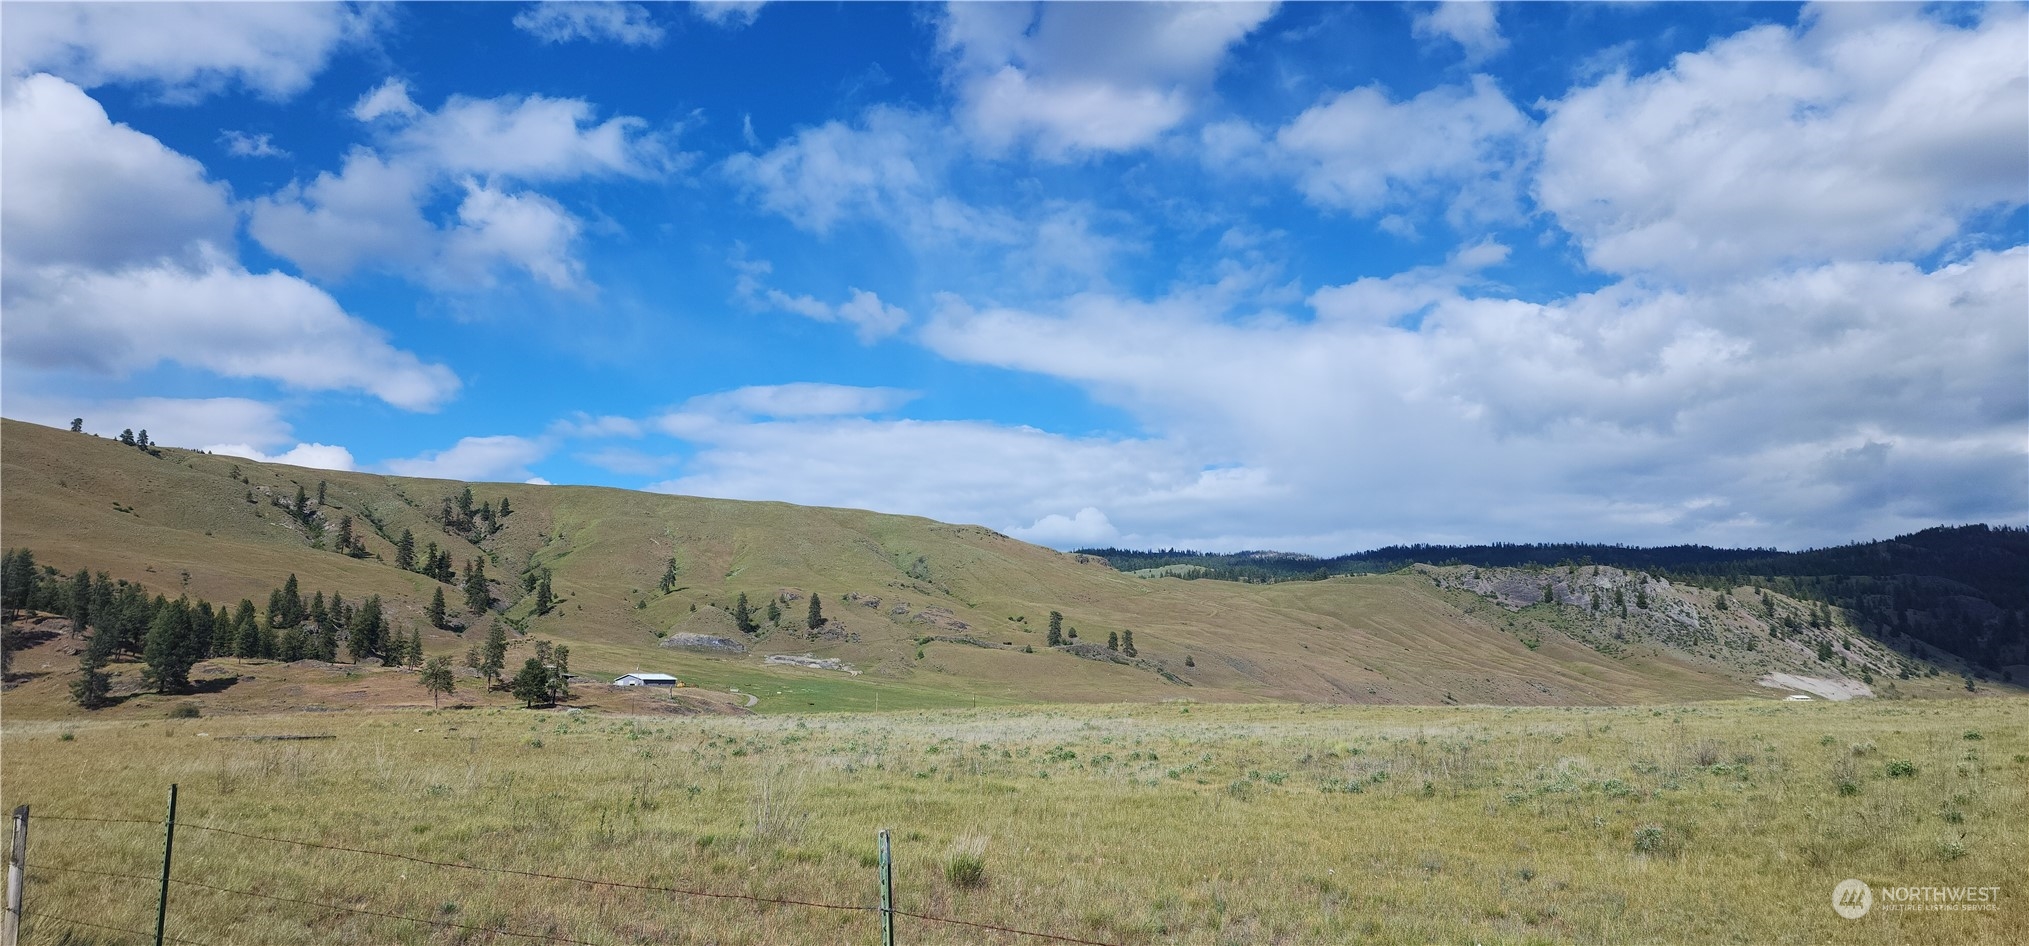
column 965, row 870
column 1901, row 768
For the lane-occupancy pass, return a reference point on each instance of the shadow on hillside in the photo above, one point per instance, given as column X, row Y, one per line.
column 213, row 685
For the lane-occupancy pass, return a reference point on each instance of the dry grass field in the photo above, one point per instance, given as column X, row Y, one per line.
column 1164, row 823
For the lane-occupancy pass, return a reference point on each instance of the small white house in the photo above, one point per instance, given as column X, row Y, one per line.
column 644, row 680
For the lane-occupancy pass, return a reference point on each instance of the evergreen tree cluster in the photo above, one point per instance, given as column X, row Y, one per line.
column 128, row 437
column 474, row 522
column 118, row 618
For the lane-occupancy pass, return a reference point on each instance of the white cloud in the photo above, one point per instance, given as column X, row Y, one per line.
column 240, row 144
column 82, row 189
column 1631, row 412
column 628, row 462
column 370, row 213
column 1088, row 529
column 728, row 13
column 317, row 456
column 367, row 212
column 798, row 399
column 391, row 97
column 871, row 318
column 1864, row 132
column 488, row 459
column 1469, row 23
column 1359, row 151
column 176, row 422
column 627, row 23
column 955, row 471
column 534, row 232
column 889, row 167
column 215, row 316
column 1078, row 78
column 186, row 50
column 581, row 424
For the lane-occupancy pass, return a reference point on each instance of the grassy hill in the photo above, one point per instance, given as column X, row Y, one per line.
column 926, row 613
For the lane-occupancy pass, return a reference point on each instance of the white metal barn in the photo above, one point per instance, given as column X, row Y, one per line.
column 644, row 680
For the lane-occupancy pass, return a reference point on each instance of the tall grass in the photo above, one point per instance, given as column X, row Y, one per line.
column 1160, row 824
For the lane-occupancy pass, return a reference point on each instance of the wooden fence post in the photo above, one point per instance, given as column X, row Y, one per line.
column 887, row 893
column 17, row 877
column 168, row 847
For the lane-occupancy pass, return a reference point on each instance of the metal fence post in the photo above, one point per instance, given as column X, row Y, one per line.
column 887, row 893
column 168, row 847
column 17, row 877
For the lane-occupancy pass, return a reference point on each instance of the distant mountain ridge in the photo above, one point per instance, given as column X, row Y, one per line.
column 1963, row 590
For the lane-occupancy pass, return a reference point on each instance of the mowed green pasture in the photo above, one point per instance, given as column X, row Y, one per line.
column 1146, row 824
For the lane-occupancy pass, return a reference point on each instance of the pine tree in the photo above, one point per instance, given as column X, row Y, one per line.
column 436, row 609
column 405, row 552
column 1112, row 640
column 320, row 492
column 1056, row 635
column 477, row 597
column 92, row 689
column 367, row 635
column 80, row 601
column 669, row 577
column 438, row 678
column 1127, row 643
column 743, row 615
column 1188, row 662
column 77, row 425
column 171, row 650
column 18, row 580
column 560, row 674
column 493, row 659
column 345, row 534
column 319, row 613
column 544, row 596
column 302, row 503
column 815, row 619
column 465, row 507
column 141, row 439
column 127, row 436
column 774, row 612
column 505, row 509
column 415, row 655
column 532, row 684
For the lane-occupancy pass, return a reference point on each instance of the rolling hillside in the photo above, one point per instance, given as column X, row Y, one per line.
column 921, row 613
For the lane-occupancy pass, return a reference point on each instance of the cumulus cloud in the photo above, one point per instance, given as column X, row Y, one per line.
column 479, row 459
column 184, row 50
column 1861, row 133
column 1460, row 146
column 629, row 24
column 956, row 471
column 1089, row 528
column 1630, row 411
column 317, row 456
column 1469, row 23
column 74, row 181
column 178, row 422
column 1070, row 79
column 370, row 212
column 215, row 316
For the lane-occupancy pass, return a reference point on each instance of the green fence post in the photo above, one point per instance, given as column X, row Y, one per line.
column 887, row 893
column 168, row 846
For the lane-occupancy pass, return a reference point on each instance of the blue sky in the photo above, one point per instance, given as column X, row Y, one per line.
column 1314, row 277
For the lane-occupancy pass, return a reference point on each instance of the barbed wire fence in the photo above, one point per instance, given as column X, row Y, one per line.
column 18, row 912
